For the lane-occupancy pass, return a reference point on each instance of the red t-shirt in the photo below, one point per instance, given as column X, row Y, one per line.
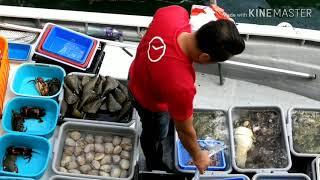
column 162, row 77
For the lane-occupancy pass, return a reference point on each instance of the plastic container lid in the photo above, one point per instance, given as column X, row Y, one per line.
column 32, row 126
column 68, row 44
column 19, row 51
column 39, row 161
column 184, row 157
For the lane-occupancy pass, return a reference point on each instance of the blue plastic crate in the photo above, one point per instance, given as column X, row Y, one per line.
column 19, row 52
column 40, row 158
column 33, row 126
column 22, row 84
column 184, row 157
column 68, row 44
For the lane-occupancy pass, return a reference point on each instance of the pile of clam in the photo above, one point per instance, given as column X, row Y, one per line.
column 97, row 155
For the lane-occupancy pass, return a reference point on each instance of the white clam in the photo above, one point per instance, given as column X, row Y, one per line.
column 106, row 160
column 117, row 150
column 108, row 148
column 72, row 165
column 68, row 150
column 89, row 138
column 95, row 164
column 78, row 151
column 98, row 148
column 62, row 169
column 70, row 142
column 123, row 174
column 104, row 174
column 89, row 148
column 125, row 155
column 98, row 139
column 108, row 139
column 89, row 157
column 65, row 161
column 82, row 143
column 116, row 140
column 127, row 147
column 126, row 141
column 124, row 164
column 116, row 159
column 99, row 156
column 106, row 168
column 74, row 171
column 75, row 135
column 85, row 168
column 115, row 172
column 94, row 172
column 81, row 160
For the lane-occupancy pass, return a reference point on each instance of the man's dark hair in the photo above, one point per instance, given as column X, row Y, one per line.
column 220, row 39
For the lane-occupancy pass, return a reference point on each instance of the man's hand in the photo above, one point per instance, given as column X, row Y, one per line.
column 188, row 137
column 202, row 161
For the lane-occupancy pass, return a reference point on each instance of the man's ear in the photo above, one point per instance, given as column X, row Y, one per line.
column 204, row 58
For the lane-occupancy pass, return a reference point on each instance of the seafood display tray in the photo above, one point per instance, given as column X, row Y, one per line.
column 234, row 112
column 317, row 168
column 40, row 158
column 225, row 177
column 227, row 151
column 280, row 176
column 26, row 73
column 109, row 120
column 19, row 51
column 94, row 129
column 290, row 131
column 32, row 126
column 184, row 157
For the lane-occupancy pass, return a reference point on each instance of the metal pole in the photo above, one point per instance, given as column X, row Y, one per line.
column 271, row 69
column 220, row 73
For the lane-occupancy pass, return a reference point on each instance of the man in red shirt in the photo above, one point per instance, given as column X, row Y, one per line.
column 162, row 77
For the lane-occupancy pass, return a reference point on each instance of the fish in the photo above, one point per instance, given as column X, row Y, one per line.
column 85, row 80
column 69, row 96
column 99, row 87
column 72, row 81
column 112, row 104
column 110, row 84
column 124, row 89
column 119, row 96
column 94, row 106
column 87, row 97
column 64, row 108
column 77, row 114
column 90, row 85
column 125, row 109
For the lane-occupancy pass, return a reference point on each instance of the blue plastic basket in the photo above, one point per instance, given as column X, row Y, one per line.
column 22, row 84
column 40, row 158
column 184, row 157
column 68, row 44
column 33, row 126
column 19, row 52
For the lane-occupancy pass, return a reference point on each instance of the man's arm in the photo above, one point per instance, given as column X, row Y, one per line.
column 188, row 137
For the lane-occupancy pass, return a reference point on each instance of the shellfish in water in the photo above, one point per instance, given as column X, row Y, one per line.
column 244, row 140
